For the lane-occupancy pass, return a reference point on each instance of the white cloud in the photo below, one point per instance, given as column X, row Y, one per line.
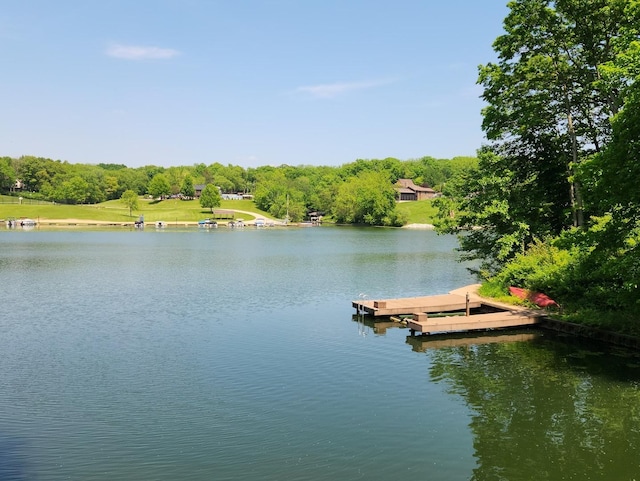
column 327, row 91
column 137, row 52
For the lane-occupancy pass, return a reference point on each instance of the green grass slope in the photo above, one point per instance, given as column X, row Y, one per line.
column 115, row 211
column 418, row 212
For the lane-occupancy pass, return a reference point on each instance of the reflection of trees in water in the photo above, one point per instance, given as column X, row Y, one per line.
column 547, row 410
column 12, row 459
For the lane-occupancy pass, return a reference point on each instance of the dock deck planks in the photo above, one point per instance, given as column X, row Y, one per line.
column 494, row 320
column 409, row 305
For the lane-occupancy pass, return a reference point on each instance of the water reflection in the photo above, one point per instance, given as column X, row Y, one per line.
column 545, row 408
column 438, row 341
column 378, row 326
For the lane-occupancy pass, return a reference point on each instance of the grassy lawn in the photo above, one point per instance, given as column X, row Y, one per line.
column 115, row 211
column 419, row 212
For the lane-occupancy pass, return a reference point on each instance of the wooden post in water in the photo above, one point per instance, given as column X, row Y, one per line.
column 467, row 303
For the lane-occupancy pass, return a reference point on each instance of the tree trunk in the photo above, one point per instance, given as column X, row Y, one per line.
column 577, row 206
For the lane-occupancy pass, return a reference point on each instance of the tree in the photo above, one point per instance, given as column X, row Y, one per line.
column 111, row 187
column 159, row 186
column 548, row 111
column 187, row 188
column 130, row 199
column 210, row 197
column 73, row 191
column 225, row 184
column 132, row 179
column 366, row 199
column 7, row 174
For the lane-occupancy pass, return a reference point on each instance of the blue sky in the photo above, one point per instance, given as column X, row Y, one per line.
column 243, row 82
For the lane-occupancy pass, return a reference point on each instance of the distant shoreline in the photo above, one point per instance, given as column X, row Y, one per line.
column 71, row 222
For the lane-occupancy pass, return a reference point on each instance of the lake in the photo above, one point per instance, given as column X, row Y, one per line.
column 235, row 354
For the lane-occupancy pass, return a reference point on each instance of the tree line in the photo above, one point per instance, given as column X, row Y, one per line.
column 360, row 192
column 553, row 204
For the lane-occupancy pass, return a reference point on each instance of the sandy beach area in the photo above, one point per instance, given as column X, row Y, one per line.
column 419, row 226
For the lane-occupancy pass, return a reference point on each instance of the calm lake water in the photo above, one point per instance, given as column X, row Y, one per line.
column 236, row 355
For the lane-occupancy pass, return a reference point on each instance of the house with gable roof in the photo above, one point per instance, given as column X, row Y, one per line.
column 407, row 190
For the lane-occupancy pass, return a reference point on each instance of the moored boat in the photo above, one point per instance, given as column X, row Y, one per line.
column 207, row 224
column 27, row 223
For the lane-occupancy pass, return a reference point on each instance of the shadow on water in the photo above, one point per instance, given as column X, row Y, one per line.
column 379, row 326
column 12, row 465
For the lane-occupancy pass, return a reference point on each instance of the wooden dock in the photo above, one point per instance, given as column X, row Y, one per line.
column 495, row 320
column 409, row 305
column 460, row 302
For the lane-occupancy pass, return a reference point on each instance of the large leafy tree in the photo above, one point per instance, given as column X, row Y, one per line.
column 159, row 186
column 132, row 179
column 366, row 199
column 210, row 197
column 7, row 174
column 279, row 195
column 73, row 191
column 548, row 110
column 130, row 199
column 609, row 270
column 187, row 189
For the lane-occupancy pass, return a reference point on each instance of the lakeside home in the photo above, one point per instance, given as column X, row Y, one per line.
column 409, row 191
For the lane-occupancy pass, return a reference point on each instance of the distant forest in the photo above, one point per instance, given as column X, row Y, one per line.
column 358, row 192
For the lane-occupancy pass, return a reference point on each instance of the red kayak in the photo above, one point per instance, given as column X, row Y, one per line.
column 538, row 298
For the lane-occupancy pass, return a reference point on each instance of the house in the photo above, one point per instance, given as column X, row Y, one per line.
column 17, row 186
column 407, row 190
column 198, row 188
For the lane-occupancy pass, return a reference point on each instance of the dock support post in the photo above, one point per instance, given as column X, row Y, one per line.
column 467, row 304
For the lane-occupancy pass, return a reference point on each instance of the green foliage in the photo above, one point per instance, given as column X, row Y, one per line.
column 159, row 186
column 230, row 178
column 73, row 191
column 555, row 158
column 280, row 191
column 366, row 199
column 111, row 187
column 130, row 199
column 132, row 179
column 7, row 174
column 224, row 184
column 210, row 197
column 112, row 166
column 543, row 267
column 607, row 274
column 499, row 209
column 547, row 110
column 419, row 212
column 187, row 188
column 35, row 171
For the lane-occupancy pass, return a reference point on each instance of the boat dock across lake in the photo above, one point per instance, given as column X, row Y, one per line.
column 459, row 310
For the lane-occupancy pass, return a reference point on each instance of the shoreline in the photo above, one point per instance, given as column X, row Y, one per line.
column 419, row 226
column 72, row 222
